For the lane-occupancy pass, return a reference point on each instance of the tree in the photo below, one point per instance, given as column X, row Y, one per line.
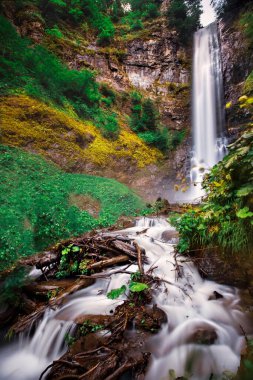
column 184, row 16
column 228, row 7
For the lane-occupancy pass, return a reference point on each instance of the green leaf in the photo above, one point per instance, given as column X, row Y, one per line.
column 244, row 191
column 115, row 293
column 75, row 249
column 137, row 287
column 65, row 251
column 244, row 213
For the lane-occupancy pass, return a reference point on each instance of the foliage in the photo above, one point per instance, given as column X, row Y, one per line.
column 248, row 85
column 11, row 287
column 184, row 16
column 137, row 287
column 145, row 122
column 41, row 75
column 246, row 21
column 88, row 327
column 50, row 136
column 54, row 32
column 35, row 210
column 133, row 286
column 226, row 217
column 115, row 293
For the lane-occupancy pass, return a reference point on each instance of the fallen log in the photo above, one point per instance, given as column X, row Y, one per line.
column 128, row 249
column 83, row 283
column 107, row 263
column 41, row 260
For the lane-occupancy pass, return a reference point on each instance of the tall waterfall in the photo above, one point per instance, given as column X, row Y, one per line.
column 209, row 143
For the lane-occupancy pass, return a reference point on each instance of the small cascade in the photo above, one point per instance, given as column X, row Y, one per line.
column 185, row 297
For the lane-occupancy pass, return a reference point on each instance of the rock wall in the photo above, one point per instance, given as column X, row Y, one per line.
column 237, row 58
column 153, row 63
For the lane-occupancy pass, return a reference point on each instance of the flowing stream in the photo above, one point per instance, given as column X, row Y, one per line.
column 187, row 300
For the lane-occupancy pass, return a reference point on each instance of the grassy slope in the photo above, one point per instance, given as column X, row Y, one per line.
column 36, row 207
column 29, row 123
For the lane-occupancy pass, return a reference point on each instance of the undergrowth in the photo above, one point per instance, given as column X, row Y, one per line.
column 71, row 143
column 225, row 219
column 35, row 204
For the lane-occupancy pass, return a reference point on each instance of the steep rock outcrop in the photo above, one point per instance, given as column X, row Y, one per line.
column 153, row 62
column 237, row 57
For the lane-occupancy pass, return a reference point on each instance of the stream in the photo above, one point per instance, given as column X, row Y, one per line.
column 195, row 309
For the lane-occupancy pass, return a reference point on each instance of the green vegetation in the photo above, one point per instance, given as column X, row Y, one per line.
column 145, row 122
column 38, row 73
column 225, row 219
column 36, row 209
column 133, row 286
column 184, row 16
column 139, row 12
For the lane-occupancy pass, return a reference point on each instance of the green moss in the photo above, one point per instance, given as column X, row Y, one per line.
column 248, row 85
column 35, row 207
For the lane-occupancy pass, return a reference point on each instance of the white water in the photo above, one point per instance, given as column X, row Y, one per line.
column 185, row 303
column 209, row 140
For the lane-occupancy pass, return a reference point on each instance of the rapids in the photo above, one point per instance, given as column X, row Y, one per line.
column 184, row 296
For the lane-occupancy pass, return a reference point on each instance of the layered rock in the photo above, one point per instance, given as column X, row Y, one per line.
column 237, row 59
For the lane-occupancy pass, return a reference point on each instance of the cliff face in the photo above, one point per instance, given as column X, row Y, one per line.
column 237, row 57
column 153, row 63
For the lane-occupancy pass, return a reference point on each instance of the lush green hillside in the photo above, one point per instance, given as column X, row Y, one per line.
column 41, row 204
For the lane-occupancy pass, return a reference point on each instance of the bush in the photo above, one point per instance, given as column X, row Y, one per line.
column 184, row 16
column 226, row 217
column 54, row 32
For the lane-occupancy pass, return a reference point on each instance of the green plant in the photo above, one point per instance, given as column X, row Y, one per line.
column 88, row 327
column 137, row 287
column 115, row 293
column 69, row 340
column 184, row 16
column 225, row 219
column 54, row 32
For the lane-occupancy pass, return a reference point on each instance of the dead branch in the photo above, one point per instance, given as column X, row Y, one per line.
column 139, row 253
column 120, row 371
column 107, row 263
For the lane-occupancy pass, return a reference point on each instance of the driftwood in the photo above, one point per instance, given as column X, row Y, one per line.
column 139, row 253
column 83, row 283
column 27, row 321
column 109, row 262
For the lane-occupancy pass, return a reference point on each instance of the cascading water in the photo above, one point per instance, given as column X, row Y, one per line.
column 208, row 132
column 186, row 299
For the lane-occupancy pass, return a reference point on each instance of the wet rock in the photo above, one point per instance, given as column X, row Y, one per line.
column 237, row 60
column 170, row 236
column 223, row 268
column 215, row 296
column 150, row 319
column 203, row 336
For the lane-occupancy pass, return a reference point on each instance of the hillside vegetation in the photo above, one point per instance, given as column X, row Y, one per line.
column 41, row 204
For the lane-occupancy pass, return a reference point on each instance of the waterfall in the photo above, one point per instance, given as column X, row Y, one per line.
column 208, row 114
column 209, row 141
